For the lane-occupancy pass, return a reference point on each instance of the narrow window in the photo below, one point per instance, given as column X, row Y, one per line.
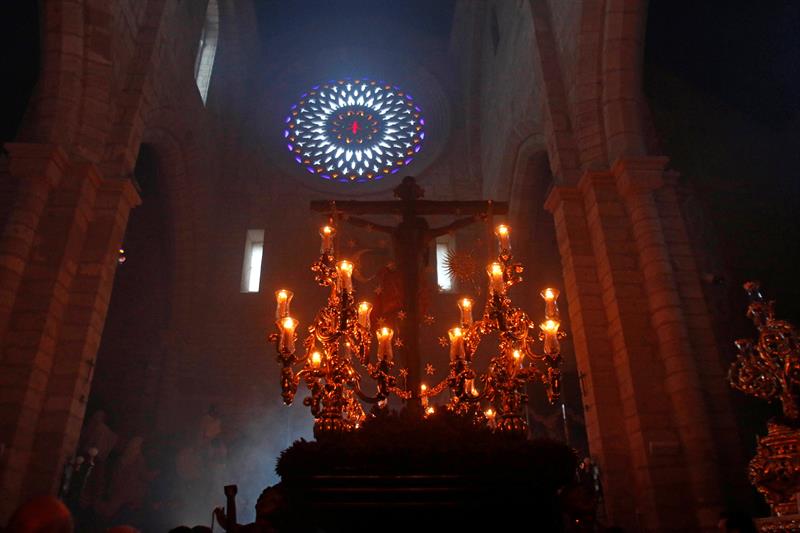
column 207, row 49
column 253, row 255
column 443, row 245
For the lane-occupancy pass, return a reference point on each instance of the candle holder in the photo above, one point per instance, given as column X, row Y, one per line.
column 517, row 363
column 770, row 369
column 335, row 351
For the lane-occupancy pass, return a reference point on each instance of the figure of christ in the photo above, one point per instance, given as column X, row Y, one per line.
column 411, row 240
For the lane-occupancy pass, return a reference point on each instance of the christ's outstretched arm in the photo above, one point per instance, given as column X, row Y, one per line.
column 363, row 223
column 456, row 224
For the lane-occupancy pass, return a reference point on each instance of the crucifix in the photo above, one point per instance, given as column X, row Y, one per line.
column 411, row 239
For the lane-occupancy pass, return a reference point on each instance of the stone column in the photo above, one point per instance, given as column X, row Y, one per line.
column 34, row 325
column 589, row 329
column 636, row 179
column 38, row 167
column 62, row 415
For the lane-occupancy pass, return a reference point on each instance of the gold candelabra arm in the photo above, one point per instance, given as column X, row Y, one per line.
column 770, row 367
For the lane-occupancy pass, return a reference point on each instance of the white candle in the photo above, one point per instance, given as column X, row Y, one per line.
column 550, row 329
column 516, row 355
column 503, row 233
column 287, row 326
column 385, row 344
column 496, row 283
column 550, row 297
column 364, row 310
column 327, row 233
column 283, row 298
column 344, row 271
column 490, row 415
column 465, row 305
column 456, row 344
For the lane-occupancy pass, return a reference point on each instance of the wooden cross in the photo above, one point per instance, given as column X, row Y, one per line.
column 410, row 239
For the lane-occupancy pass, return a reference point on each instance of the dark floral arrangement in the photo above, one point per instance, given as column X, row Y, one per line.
column 442, row 444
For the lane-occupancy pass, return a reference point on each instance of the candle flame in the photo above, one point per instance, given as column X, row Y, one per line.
column 550, row 326
column 517, row 354
column 316, row 358
column 549, row 294
column 497, row 269
column 384, row 332
column 282, row 295
column 430, row 410
column 423, row 387
column 363, row 307
column 466, row 302
column 327, row 230
column 289, row 323
column 489, row 413
column 502, row 229
column 346, row 266
column 456, row 332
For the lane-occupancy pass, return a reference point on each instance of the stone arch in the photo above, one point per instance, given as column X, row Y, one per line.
column 587, row 111
column 128, row 119
column 621, row 74
column 95, row 106
column 180, row 201
column 53, row 111
column 499, row 186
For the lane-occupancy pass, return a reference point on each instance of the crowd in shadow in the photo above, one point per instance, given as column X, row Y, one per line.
column 110, row 481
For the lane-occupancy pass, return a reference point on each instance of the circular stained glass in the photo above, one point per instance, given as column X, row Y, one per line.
column 354, row 130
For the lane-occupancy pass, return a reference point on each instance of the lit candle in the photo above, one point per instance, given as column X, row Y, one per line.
column 287, row 326
column 316, row 359
column 496, row 283
column 429, row 411
column 465, row 305
column 364, row 310
column 344, row 271
column 550, row 329
column 456, row 344
column 503, row 233
column 327, row 233
column 284, row 298
column 385, row 344
column 550, row 297
column 490, row 414
column 514, row 359
column 423, row 395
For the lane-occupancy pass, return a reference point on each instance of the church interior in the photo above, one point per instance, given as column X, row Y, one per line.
column 333, row 265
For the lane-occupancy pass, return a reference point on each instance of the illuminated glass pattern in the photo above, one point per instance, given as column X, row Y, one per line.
column 354, row 130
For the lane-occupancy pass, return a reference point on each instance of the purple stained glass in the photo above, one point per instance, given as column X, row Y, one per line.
column 341, row 127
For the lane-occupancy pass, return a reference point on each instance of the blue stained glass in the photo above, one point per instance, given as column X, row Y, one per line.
column 357, row 118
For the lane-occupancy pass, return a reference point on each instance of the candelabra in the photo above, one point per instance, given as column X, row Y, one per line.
column 338, row 337
column 770, row 369
column 515, row 363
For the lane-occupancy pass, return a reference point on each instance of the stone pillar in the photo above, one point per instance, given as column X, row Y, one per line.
column 636, row 179
column 38, row 167
column 654, row 446
column 589, row 329
column 33, row 329
column 67, row 390
column 647, row 419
